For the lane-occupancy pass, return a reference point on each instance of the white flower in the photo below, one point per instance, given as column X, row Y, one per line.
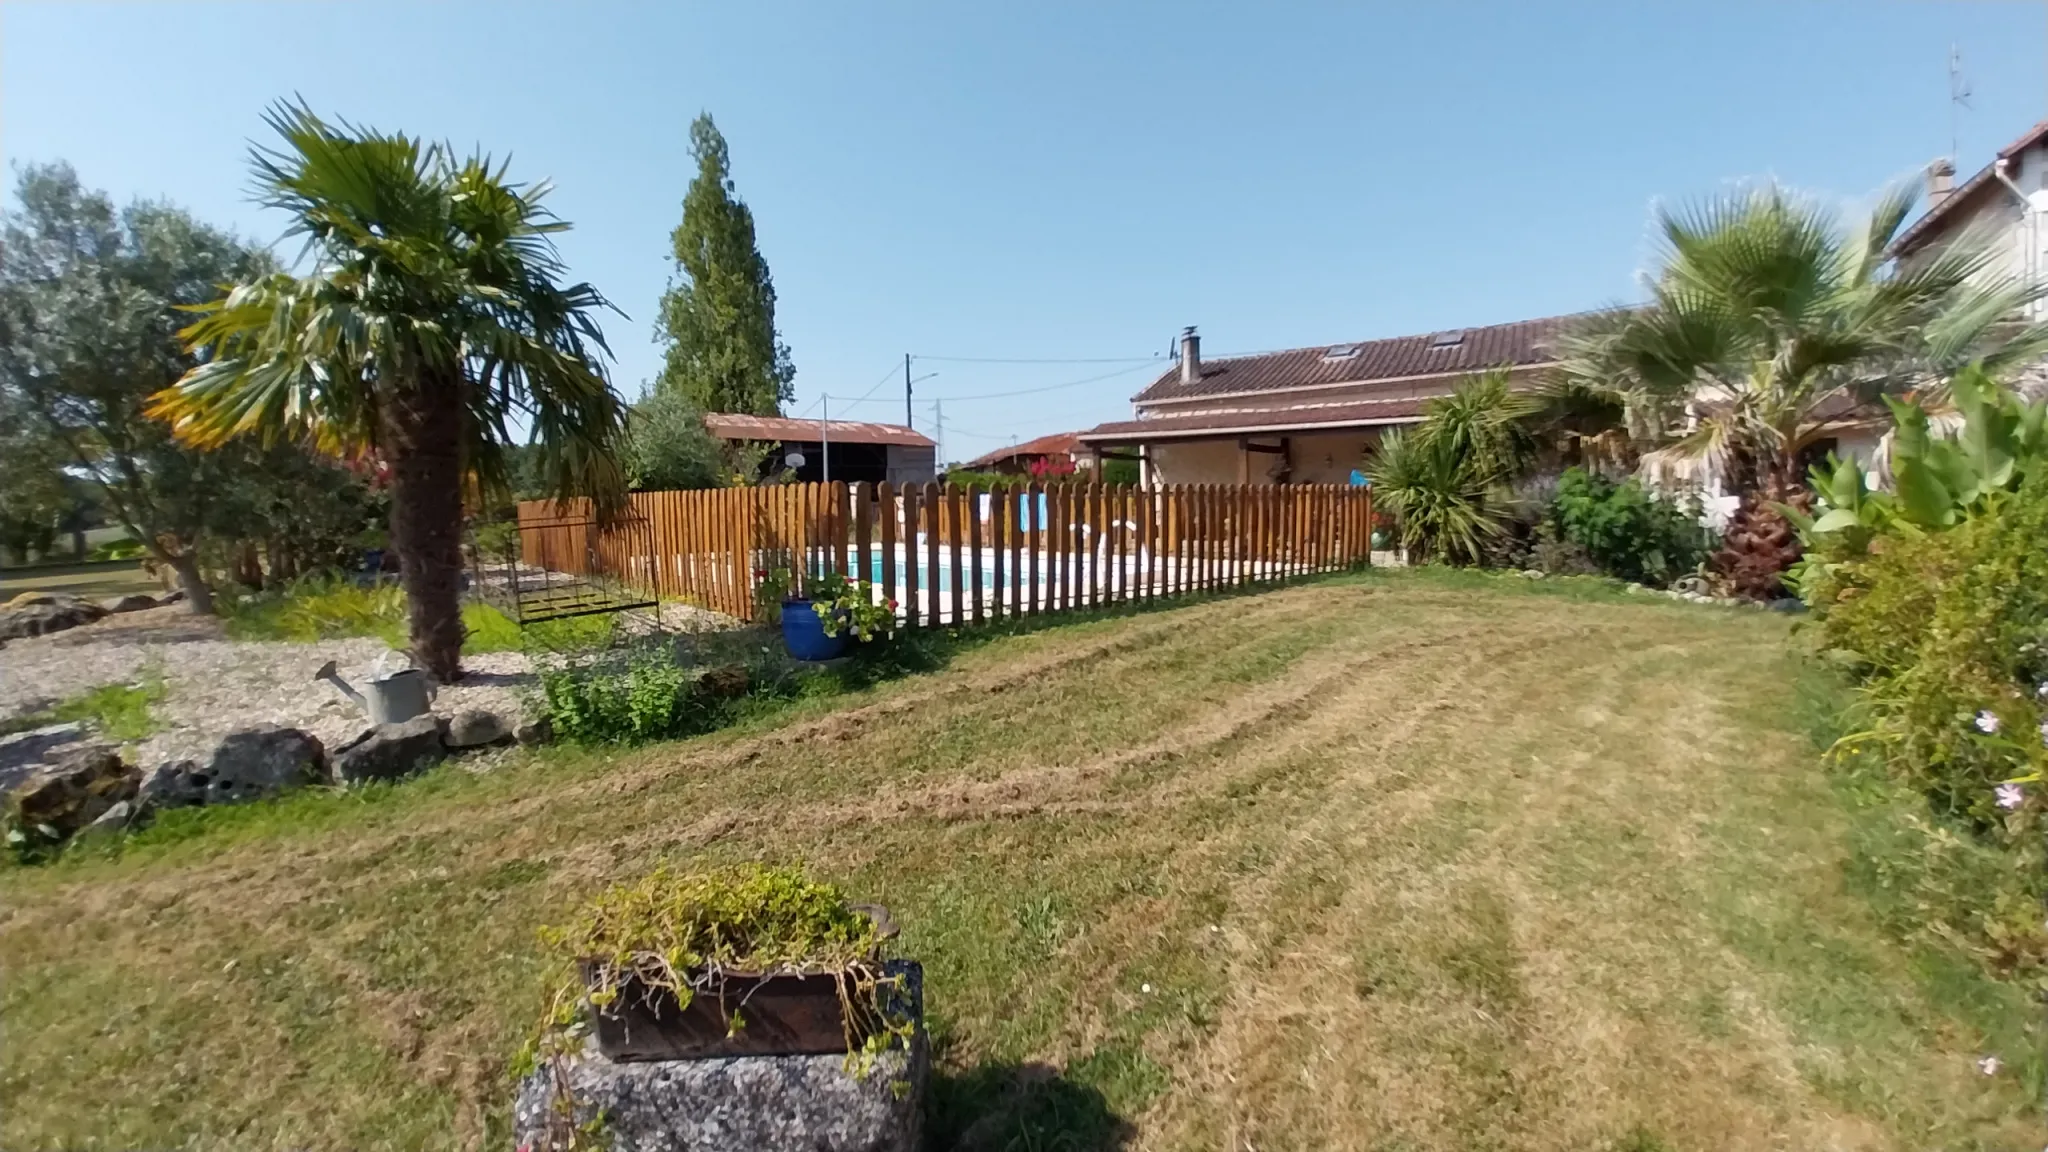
column 2041, row 690
column 1145, row 988
column 2044, row 733
column 1989, row 1065
column 1987, row 722
column 2011, row 796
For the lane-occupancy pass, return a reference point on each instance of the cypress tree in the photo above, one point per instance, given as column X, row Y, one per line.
column 718, row 315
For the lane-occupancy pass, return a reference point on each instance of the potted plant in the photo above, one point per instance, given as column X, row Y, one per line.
column 817, row 625
column 803, row 617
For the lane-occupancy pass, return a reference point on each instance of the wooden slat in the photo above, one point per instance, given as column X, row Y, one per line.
column 1084, row 570
column 863, row 511
column 1056, row 546
column 956, row 531
column 972, row 508
column 914, row 591
column 885, row 510
column 1040, row 574
column 1013, row 544
column 999, row 550
column 1149, row 542
column 934, row 529
column 1183, row 547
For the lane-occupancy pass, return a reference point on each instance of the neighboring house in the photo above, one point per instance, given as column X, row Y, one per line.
column 1307, row 415
column 2006, row 201
column 847, row 450
column 1060, row 452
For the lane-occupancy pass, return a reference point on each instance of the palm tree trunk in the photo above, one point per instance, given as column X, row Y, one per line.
column 422, row 440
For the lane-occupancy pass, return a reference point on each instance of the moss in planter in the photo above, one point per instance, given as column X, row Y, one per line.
column 682, row 932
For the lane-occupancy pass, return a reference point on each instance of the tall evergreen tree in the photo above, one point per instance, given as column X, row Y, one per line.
column 718, row 315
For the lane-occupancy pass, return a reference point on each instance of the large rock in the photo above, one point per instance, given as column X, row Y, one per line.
column 41, row 613
column 246, row 765
column 474, row 727
column 24, row 752
column 133, row 602
column 736, row 1103
column 391, row 751
column 539, row 730
column 76, row 790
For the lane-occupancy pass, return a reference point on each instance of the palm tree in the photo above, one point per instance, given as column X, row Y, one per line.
column 431, row 319
column 1770, row 329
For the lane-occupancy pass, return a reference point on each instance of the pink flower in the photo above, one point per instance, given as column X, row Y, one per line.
column 2010, row 796
column 1987, row 722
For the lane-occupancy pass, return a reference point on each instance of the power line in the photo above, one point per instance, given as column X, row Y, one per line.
column 886, row 377
column 1051, row 387
column 1045, row 360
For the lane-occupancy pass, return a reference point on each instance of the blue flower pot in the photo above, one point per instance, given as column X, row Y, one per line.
column 804, row 634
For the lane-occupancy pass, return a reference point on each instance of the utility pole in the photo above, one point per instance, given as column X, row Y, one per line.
column 939, row 429
column 907, row 422
column 825, row 439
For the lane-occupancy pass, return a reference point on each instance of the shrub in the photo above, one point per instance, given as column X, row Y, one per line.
column 653, row 691
column 1446, row 480
column 1950, row 634
column 1627, row 531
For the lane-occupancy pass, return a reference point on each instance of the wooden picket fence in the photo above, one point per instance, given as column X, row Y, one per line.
column 949, row 555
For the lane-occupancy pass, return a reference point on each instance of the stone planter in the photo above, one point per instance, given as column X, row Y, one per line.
column 811, row 1102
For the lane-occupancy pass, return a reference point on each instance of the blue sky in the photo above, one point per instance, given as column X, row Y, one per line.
column 1061, row 181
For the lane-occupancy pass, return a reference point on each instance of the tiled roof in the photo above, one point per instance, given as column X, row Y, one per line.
column 1260, row 421
column 1057, row 444
column 1522, row 343
column 737, row 426
column 1930, row 221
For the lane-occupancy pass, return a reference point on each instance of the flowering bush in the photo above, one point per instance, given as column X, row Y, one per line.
column 1949, row 635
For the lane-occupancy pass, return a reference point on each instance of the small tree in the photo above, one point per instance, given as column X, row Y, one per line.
column 718, row 316
column 668, row 447
column 89, row 300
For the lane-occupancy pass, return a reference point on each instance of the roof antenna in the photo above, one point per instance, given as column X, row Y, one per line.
column 1958, row 98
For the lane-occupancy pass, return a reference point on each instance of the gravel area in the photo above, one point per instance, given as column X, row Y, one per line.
column 214, row 686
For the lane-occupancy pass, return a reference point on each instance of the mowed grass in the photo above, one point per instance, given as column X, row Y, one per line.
column 1398, row 861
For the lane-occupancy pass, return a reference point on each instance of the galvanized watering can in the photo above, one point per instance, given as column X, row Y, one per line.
column 390, row 698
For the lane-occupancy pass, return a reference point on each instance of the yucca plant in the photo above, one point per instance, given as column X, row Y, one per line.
column 1446, row 480
column 430, row 322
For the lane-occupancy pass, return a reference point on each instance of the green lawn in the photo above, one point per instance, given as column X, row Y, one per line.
column 1402, row 861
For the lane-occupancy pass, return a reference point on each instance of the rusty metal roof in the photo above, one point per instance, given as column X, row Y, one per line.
column 738, row 426
column 1057, row 444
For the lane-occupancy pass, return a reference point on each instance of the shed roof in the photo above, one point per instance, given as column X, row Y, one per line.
column 1057, row 444
column 739, row 426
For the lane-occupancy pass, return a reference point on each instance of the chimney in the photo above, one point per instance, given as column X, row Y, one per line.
column 1190, row 355
column 1941, row 181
